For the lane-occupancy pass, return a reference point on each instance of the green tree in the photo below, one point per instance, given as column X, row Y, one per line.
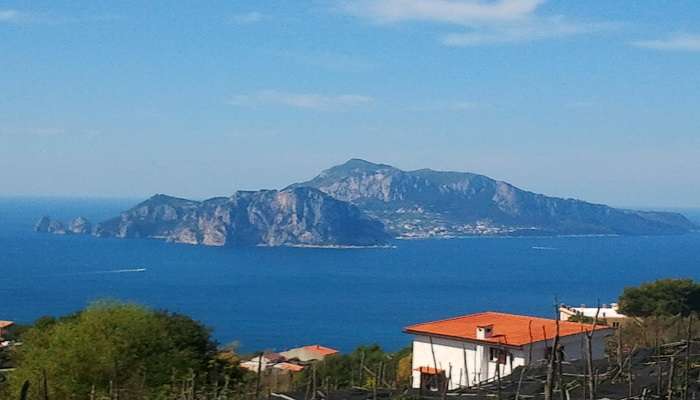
column 135, row 351
column 667, row 297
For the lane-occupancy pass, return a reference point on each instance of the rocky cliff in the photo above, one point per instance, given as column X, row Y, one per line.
column 78, row 226
column 294, row 217
column 428, row 203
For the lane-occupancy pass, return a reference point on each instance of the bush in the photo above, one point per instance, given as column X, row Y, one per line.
column 663, row 298
column 128, row 348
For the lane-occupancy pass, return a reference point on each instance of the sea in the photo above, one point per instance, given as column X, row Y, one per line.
column 276, row 298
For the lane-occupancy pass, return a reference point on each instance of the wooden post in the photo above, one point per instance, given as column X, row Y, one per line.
column 362, row 367
column 689, row 344
column 258, row 378
column 498, row 378
column 659, row 378
column 464, row 359
column 432, row 351
column 45, row 384
column 374, row 386
column 313, row 381
column 24, row 391
column 529, row 361
column 589, row 356
column 671, row 374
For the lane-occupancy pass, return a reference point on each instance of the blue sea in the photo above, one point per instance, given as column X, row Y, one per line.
column 275, row 298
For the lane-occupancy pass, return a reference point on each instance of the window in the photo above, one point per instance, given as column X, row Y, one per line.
column 498, row 355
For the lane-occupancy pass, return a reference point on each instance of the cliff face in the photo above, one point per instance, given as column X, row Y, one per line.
column 426, row 203
column 78, row 226
column 296, row 217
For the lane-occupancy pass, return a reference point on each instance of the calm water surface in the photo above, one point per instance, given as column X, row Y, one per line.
column 273, row 298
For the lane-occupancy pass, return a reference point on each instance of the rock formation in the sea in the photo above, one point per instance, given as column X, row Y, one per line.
column 80, row 226
column 428, row 203
column 48, row 225
column 294, row 217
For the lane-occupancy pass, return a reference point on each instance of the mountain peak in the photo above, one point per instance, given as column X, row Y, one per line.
column 358, row 163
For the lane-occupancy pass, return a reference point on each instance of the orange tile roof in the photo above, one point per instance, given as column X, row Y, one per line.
column 6, row 324
column 289, row 366
column 508, row 329
column 323, row 351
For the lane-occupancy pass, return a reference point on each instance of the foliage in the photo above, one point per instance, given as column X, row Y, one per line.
column 134, row 351
column 667, row 297
column 362, row 368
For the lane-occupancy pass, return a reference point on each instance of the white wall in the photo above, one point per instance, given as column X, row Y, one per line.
column 450, row 357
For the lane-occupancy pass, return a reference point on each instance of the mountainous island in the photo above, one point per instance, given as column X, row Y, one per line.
column 428, row 203
column 363, row 204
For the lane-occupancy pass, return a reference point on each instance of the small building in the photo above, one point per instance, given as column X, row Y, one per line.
column 4, row 326
column 477, row 348
column 309, row 353
column 287, row 366
column 293, row 360
column 607, row 314
column 262, row 362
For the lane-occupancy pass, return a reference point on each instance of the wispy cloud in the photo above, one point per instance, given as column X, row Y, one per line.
column 477, row 22
column 526, row 30
column 310, row 101
column 247, row 18
column 678, row 42
column 18, row 17
column 445, row 11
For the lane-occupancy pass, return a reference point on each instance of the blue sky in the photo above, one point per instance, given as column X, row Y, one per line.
column 596, row 100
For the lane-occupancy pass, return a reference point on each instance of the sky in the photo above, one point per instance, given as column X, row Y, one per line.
column 596, row 100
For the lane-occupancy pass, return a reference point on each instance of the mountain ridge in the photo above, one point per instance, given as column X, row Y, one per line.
column 363, row 204
column 430, row 203
column 294, row 217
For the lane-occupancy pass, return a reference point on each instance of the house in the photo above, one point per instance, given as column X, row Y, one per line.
column 477, row 348
column 293, row 360
column 262, row 362
column 309, row 353
column 287, row 366
column 4, row 326
column 606, row 313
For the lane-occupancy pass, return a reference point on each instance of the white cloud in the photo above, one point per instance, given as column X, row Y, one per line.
column 525, row 30
column 22, row 17
column 311, row 101
column 679, row 42
column 445, row 11
column 478, row 22
column 247, row 18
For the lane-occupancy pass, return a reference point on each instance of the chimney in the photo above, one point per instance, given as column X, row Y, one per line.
column 484, row 331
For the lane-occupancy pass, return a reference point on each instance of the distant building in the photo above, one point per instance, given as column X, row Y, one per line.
column 4, row 326
column 607, row 314
column 293, row 360
column 309, row 353
column 262, row 362
column 471, row 349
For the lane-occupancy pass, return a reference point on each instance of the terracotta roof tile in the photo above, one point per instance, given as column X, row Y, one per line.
column 323, row 351
column 508, row 329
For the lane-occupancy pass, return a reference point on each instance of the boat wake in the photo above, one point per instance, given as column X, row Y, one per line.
column 543, row 248
column 118, row 271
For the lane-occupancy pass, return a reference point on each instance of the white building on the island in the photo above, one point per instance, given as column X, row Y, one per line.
column 471, row 349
